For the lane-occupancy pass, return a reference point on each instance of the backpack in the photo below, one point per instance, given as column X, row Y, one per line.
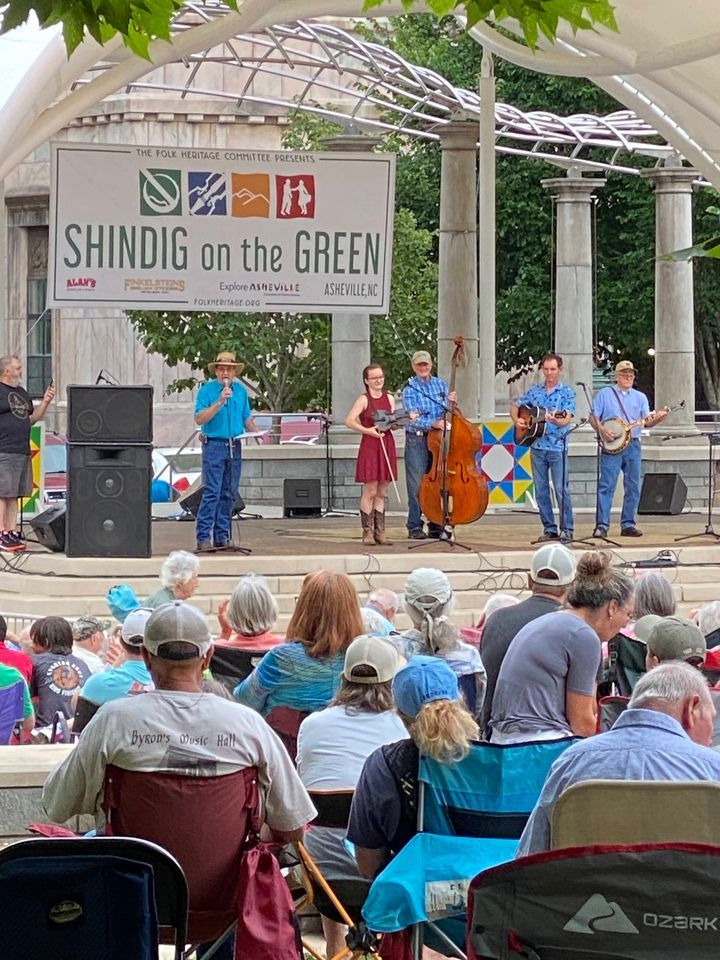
column 122, row 600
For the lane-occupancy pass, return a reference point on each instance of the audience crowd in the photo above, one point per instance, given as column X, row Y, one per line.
column 346, row 702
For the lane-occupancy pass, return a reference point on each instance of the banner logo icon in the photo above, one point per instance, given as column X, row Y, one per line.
column 250, row 195
column 160, row 193
column 207, row 194
column 295, row 197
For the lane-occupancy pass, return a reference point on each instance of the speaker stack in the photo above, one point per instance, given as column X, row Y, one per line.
column 109, row 471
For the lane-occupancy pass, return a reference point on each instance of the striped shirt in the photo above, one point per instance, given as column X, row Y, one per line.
column 426, row 397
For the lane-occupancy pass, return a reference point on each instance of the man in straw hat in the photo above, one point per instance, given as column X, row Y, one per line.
column 624, row 402
column 222, row 411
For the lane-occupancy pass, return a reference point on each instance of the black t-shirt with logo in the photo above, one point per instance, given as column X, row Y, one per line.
column 16, row 408
column 56, row 678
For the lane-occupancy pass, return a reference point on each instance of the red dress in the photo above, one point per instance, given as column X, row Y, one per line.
column 371, row 465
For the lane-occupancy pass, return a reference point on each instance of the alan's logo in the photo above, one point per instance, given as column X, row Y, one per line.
column 73, row 283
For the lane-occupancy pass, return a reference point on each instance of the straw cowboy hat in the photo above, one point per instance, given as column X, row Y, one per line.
column 225, row 356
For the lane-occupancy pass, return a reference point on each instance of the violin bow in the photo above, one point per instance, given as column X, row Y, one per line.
column 387, row 461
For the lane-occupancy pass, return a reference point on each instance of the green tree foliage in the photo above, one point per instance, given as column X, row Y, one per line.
column 141, row 21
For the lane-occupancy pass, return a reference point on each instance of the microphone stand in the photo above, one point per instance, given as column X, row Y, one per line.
column 592, row 541
column 713, row 441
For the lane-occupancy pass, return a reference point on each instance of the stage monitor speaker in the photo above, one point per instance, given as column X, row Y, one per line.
column 49, row 528
column 301, row 498
column 190, row 500
column 662, row 493
column 109, row 414
column 108, row 501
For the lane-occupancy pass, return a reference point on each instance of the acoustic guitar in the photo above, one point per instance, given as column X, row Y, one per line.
column 534, row 417
column 623, row 431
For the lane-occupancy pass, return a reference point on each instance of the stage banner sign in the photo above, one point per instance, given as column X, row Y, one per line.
column 151, row 228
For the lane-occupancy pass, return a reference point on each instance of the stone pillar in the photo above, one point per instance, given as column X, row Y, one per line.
column 674, row 305
column 4, row 339
column 457, row 292
column 486, row 242
column 350, row 331
column 574, row 279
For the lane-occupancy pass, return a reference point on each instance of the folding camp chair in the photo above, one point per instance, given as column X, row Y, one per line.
column 98, row 899
column 285, row 721
column 204, row 822
column 231, row 665
column 470, row 816
column 636, row 811
column 12, row 704
column 638, row 902
column 85, row 710
column 339, row 900
column 609, row 709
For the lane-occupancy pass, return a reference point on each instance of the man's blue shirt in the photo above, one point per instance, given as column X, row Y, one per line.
column 231, row 418
column 428, row 398
column 606, row 405
column 643, row 745
column 560, row 398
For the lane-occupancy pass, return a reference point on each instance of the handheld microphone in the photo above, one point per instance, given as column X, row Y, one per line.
column 579, row 383
column 225, row 382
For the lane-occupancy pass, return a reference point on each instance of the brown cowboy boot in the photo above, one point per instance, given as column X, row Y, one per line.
column 379, row 528
column 368, row 536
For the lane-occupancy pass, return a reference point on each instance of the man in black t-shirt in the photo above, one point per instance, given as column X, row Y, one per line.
column 17, row 414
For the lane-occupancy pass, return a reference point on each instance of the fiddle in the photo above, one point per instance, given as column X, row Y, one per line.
column 454, row 491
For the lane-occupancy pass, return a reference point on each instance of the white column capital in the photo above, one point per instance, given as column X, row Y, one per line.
column 573, row 189
column 351, row 143
column 671, row 179
column 459, row 135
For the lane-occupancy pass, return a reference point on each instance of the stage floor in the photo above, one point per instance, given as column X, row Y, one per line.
column 334, row 535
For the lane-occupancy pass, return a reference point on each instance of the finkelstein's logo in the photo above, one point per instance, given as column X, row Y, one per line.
column 160, row 193
column 600, row 915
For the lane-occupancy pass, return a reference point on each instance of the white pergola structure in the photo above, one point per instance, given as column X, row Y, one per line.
column 663, row 65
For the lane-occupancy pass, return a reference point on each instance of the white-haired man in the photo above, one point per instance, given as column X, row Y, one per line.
column 663, row 735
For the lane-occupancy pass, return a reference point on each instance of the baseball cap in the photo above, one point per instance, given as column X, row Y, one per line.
column 375, row 652
column 675, row 638
column 176, row 621
column 85, row 627
column 133, row 628
column 429, row 586
column 422, row 681
column 421, row 356
column 553, row 557
column 624, row 366
column 645, row 626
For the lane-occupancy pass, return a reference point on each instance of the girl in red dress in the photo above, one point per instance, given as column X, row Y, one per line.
column 372, row 469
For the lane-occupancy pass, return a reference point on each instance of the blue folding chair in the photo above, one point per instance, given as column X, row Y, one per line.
column 12, row 704
column 470, row 817
column 103, row 898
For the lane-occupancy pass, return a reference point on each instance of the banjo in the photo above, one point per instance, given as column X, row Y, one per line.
column 623, row 431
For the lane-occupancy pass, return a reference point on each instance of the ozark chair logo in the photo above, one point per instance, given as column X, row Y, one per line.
column 600, row 915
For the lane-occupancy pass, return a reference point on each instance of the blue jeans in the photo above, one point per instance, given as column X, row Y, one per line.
column 547, row 465
column 221, row 476
column 630, row 462
column 417, row 464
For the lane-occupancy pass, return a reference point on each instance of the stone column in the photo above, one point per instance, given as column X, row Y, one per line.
column 674, row 306
column 350, row 331
column 574, row 279
column 457, row 293
column 4, row 340
column 486, row 241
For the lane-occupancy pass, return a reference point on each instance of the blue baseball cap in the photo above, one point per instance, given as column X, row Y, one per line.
column 423, row 680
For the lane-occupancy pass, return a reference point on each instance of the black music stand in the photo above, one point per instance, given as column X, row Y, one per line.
column 713, row 441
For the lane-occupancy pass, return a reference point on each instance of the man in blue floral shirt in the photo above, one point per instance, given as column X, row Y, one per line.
column 549, row 452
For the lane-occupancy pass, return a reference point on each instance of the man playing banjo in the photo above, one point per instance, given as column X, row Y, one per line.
column 614, row 409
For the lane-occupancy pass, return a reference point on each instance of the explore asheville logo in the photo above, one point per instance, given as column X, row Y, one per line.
column 212, row 194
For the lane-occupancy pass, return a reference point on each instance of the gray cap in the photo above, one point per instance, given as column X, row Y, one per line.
column 133, row 628
column 675, row 638
column 375, row 652
column 176, row 621
column 645, row 626
column 421, row 356
column 85, row 627
column 553, row 558
column 427, row 588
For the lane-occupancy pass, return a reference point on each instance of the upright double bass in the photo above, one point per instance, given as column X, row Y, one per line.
column 454, row 491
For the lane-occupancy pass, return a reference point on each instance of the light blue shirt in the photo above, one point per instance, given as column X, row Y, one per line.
column 606, row 405
column 429, row 398
column 129, row 678
column 558, row 399
column 287, row 676
column 231, row 418
column 643, row 745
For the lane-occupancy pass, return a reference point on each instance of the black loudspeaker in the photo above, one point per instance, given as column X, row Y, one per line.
column 108, row 501
column 109, row 414
column 301, row 498
column 49, row 528
column 664, row 493
column 190, row 500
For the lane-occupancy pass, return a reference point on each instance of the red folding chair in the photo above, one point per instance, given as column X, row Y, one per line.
column 285, row 721
column 204, row 822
